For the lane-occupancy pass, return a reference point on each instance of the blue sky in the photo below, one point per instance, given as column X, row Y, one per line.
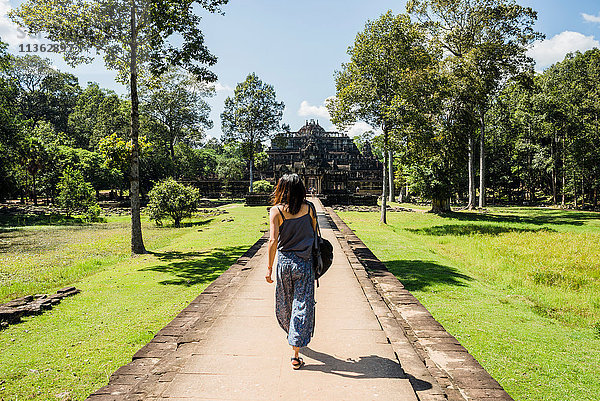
column 297, row 45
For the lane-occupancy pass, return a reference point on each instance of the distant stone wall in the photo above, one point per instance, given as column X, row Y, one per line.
column 258, row 200
column 350, row 199
column 216, row 189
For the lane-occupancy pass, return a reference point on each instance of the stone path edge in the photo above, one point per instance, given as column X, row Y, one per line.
column 153, row 366
column 457, row 374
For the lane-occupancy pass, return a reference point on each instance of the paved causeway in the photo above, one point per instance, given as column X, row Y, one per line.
column 227, row 345
column 246, row 355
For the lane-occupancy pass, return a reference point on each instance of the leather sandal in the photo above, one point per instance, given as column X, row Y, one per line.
column 298, row 365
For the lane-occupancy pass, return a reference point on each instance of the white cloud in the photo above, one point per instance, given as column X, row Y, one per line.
column 308, row 110
column 549, row 51
column 360, row 128
column 591, row 18
column 222, row 88
column 9, row 31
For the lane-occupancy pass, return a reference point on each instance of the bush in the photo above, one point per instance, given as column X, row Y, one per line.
column 74, row 193
column 170, row 199
column 262, row 186
column 93, row 212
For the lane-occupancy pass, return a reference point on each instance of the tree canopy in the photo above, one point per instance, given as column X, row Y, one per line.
column 251, row 116
column 133, row 36
column 375, row 85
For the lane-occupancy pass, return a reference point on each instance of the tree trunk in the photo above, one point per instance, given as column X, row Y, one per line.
column 574, row 190
column 172, row 150
column 34, row 188
column 439, row 206
column 554, row 175
column 471, row 167
column 391, row 175
column 385, row 183
column 26, row 189
column 582, row 191
column 482, row 162
column 564, row 185
column 564, row 174
column 137, row 242
column 251, row 189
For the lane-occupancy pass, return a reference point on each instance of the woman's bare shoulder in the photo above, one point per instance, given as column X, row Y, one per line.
column 275, row 209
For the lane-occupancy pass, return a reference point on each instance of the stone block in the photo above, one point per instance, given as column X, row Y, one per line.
column 65, row 290
column 19, row 302
column 488, row 394
column 70, row 293
column 10, row 315
column 155, row 350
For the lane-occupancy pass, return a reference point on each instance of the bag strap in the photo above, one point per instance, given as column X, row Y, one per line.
column 317, row 228
column 281, row 213
column 317, row 236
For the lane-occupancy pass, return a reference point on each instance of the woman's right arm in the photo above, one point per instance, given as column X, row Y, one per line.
column 273, row 236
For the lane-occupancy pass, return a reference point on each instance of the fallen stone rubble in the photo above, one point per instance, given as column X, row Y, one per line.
column 12, row 312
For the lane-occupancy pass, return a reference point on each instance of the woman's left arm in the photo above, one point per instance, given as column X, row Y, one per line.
column 272, row 247
column 313, row 216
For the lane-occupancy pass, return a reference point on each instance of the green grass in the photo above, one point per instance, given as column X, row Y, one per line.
column 70, row 351
column 519, row 287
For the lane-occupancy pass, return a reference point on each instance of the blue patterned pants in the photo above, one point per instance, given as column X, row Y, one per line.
column 295, row 298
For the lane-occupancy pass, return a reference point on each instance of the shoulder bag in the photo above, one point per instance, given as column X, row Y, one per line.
column 322, row 250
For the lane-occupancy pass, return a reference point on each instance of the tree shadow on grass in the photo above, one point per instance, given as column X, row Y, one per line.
column 191, row 268
column 474, row 229
column 196, row 223
column 23, row 220
column 418, row 275
column 187, row 224
column 542, row 217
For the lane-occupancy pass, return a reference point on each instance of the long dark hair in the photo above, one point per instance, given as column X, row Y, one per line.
column 290, row 191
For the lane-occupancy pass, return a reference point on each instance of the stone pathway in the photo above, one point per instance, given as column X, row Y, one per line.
column 227, row 344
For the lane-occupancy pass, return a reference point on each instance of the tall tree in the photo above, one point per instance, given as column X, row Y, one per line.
column 382, row 60
column 134, row 36
column 44, row 93
column 251, row 116
column 490, row 39
column 98, row 114
column 177, row 111
column 10, row 125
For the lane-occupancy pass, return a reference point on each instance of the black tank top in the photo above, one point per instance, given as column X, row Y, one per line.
column 296, row 235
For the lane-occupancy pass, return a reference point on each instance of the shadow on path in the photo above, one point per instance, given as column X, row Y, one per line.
column 366, row 367
column 420, row 274
column 190, row 268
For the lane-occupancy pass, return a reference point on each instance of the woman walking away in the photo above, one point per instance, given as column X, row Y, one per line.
column 293, row 223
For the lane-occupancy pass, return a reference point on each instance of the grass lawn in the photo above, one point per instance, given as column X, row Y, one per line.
column 518, row 287
column 70, row 351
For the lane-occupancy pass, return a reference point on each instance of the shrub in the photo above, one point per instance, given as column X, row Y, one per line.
column 93, row 212
column 74, row 193
column 170, row 199
column 262, row 186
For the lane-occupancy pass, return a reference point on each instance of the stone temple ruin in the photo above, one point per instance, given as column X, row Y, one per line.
column 329, row 162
